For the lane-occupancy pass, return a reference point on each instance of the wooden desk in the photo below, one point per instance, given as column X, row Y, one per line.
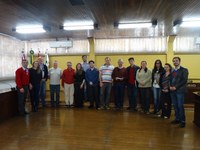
column 197, row 108
column 8, row 105
column 191, row 87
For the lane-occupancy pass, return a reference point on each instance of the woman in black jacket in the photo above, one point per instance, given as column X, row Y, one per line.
column 34, row 85
column 165, row 91
column 79, row 80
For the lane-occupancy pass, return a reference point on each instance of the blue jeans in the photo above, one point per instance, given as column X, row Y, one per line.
column 156, row 96
column 119, row 94
column 132, row 93
column 178, row 101
column 105, row 94
column 55, row 88
column 42, row 92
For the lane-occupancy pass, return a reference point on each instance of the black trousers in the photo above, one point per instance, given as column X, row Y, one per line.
column 166, row 104
column 93, row 95
column 21, row 100
column 78, row 95
column 34, row 95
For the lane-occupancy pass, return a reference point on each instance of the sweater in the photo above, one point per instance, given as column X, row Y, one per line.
column 22, row 77
column 119, row 73
column 68, row 76
column 92, row 76
column 144, row 78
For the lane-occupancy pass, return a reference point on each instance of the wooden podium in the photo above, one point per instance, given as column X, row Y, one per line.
column 197, row 108
column 8, row 105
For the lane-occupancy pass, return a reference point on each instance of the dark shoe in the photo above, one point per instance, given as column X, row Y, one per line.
column 147, row 113
column 175, row 122
column 26, row 113
column 182, row 125
column 91, row 106
column 107, row 107
column 128, row 108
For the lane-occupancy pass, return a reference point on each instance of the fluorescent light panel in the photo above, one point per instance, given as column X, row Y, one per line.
column 79, row 27
column 134, row 25
column 188, row 24
column 30, row 29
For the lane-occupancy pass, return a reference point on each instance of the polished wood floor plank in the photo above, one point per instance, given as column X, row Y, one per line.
column 77, row 129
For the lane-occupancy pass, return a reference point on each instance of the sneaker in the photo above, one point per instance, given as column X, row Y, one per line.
column 175, row 122
column 165, row 117
column 107, row 107
column 147, row 112
column 100, row 108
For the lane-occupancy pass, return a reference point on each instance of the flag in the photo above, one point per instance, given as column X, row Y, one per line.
column 46, row 59
column 23, row 55
column 31, row 56
column 38, row 52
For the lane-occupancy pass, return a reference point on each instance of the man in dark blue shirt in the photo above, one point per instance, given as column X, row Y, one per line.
column 92, row 79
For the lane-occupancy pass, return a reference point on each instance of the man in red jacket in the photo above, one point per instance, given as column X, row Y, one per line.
column 22, row 82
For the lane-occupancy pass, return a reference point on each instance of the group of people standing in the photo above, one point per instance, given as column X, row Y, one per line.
column 86, row 82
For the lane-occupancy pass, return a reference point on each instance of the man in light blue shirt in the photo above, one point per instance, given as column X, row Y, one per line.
column 85, row 66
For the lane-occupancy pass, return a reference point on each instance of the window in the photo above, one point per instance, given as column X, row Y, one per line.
column 131, row 45
column 10, row 56
column 186, row 44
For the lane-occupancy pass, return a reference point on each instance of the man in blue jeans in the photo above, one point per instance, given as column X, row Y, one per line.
column 178, row 85
column 55, row 75
column 44, row 70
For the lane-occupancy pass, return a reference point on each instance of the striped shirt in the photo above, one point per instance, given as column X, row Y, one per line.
column 106, row 73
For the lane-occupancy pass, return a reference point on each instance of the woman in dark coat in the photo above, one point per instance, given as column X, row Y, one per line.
column 34, row 85
column 79, row 80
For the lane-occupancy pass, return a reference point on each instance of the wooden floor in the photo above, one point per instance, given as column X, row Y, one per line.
column 84, row 129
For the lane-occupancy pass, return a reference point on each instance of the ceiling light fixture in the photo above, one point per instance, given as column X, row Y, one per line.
column 135, row 25
column 79, row 27
column 187, row 23
column 31, row 29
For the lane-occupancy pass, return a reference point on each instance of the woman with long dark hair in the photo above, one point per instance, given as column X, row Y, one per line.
column 156, row 73
column 79, row 80
column 143, row 77
column 34, row 86
column 165, row 91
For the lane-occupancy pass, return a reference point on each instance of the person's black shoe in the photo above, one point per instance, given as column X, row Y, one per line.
column 175, row 122
column 129, row 108
column 26, row 113
column 91, row 106
column 182, row 125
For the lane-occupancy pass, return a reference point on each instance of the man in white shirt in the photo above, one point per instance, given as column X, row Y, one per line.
column 55, row 75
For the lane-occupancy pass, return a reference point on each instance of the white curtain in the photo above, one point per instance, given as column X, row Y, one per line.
column 131, row 45
column 10, row 56
column 186, row 44
column 79, row 47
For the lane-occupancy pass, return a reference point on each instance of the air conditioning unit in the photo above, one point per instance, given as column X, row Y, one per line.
column 198, row 41
column 61, row 44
